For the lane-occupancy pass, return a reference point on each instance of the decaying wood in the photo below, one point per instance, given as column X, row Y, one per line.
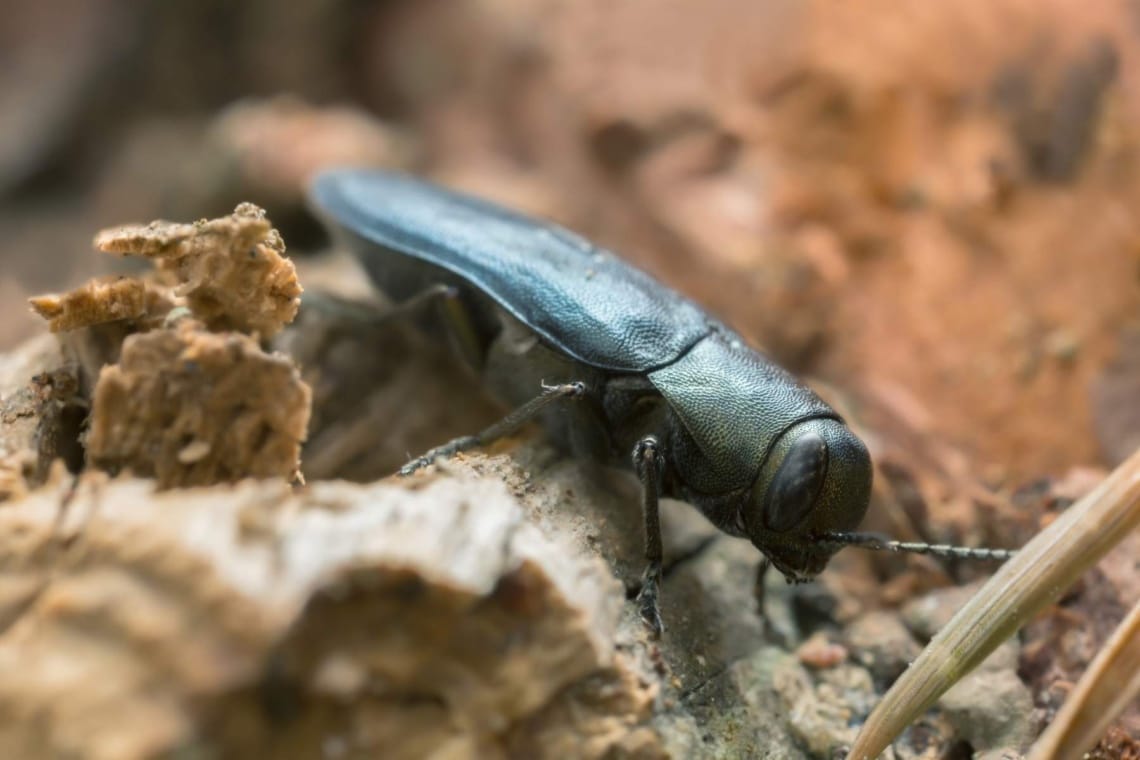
column 231, row 270
column 192, row 407
column 104, row 299
column 361, row 621
column 179, row 386
column 38, row 387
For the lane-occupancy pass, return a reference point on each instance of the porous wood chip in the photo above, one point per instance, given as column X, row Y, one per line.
column 192, row 407
column 104, row 299
column 232, row 270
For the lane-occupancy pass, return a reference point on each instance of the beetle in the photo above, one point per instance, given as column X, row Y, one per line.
column 644, row 377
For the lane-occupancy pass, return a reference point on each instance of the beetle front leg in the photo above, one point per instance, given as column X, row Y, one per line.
column 759, row 589
column 504, row 427
column 648, row 464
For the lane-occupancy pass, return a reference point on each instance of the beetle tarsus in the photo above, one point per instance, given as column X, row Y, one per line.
column 648, row 464
column 446, row 451
column 647, row 605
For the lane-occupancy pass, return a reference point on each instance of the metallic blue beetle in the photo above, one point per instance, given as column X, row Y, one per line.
column 642, row 372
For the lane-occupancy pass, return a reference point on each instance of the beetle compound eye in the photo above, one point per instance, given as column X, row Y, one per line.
column 797, row 483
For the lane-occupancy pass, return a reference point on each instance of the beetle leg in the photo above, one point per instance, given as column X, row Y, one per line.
column 758, row 590
column 375, row 314
column 453, row 314
column 648, row 464
column 504, row 427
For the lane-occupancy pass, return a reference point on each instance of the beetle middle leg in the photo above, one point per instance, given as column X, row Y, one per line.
column 509, row 424
column 375, row 315
column 454, row 315
column 648, row 464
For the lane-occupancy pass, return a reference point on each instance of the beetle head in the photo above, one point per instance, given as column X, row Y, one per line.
column 816, row 480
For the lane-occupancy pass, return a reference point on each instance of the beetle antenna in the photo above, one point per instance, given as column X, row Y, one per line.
column 878, row 543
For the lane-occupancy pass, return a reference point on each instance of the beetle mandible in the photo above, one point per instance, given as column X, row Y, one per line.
column 643, row 375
